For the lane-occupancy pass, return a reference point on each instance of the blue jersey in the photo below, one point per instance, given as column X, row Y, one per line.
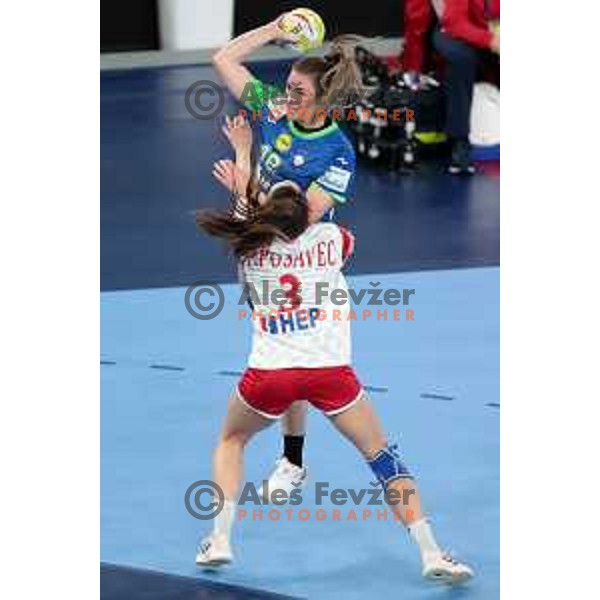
column 323, row 158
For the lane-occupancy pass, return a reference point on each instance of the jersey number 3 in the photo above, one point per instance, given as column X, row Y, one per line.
column 292, row 293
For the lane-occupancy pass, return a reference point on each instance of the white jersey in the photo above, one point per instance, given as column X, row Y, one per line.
column 312, row 328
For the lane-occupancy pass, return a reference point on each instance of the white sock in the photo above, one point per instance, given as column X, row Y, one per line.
column 224, row 520
column 420, row 531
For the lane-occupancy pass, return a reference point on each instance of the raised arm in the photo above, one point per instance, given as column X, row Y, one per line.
column 239, row 133
column 235, row 176
column 228, row 60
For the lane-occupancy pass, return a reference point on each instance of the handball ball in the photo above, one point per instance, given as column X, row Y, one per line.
column 307, row 26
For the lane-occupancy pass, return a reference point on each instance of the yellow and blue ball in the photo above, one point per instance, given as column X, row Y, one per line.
column 307, row 26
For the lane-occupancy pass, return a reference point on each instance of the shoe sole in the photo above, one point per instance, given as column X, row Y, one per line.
column 266, row 498
column 215, row 562
column 440, row 576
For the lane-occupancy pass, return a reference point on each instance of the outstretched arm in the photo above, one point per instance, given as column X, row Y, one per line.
column 235, row 176
column 228, row 60
column 239, row 133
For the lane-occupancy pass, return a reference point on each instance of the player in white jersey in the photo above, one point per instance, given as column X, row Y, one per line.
column 307, row 270
column 297, row 355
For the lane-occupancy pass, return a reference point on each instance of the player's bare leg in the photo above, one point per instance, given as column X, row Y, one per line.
column 290, row 471
column 294, row 420
column 361, row 426
column 241, row 424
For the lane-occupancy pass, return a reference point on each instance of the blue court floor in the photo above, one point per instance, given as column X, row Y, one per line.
column 436, row 383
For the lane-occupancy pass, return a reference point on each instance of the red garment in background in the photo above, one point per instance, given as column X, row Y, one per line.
column 418, row 15
column 465, row 20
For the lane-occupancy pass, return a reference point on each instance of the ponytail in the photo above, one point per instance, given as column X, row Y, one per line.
column 337, row 77
column 247, row 227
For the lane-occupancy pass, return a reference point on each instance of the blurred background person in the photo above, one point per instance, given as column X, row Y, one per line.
column 467, row 35
column 418, row 21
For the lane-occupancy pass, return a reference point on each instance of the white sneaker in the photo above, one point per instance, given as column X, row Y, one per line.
column 286, row 476
column 442, row 567
column 213, row 551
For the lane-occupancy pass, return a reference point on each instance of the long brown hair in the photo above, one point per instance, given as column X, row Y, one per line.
column 251, row 226
column 336, row 76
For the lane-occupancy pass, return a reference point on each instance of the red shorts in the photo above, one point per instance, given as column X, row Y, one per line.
column 271, row 392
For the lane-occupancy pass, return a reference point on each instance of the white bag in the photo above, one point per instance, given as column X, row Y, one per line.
column 485, row 115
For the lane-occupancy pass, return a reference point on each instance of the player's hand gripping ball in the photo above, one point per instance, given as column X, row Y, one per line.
column 306, row 27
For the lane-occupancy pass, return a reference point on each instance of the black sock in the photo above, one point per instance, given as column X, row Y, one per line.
column 292, row 448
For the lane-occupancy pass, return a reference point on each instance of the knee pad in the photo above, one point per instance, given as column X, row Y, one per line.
column 387, row 465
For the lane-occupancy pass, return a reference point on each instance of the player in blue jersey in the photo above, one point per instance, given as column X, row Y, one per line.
column 299, row 140
column 319, row 159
